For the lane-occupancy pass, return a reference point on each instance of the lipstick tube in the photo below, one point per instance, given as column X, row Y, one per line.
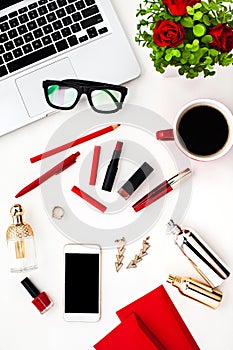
column 135, row 180
column 94, row 166
column 196, row 290
column 201, row 256
column 88, row 199
column 112, row 168
column 161, row 190
column 40, row 299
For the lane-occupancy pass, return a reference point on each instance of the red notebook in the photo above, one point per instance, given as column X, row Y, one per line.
column 131, row 334
column 159, row 314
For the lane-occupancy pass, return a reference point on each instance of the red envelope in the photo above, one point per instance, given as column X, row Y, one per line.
column 131, row 334
column 161, row 317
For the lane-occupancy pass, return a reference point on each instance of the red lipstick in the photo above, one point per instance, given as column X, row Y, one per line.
column 118, row 146
column 112, row 168
column 41, row 299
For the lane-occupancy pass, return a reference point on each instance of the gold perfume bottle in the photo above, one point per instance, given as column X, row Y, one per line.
column 197, row 290
column 20, row 241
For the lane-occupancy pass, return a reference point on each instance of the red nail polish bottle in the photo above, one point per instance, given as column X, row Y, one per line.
column 41, row 299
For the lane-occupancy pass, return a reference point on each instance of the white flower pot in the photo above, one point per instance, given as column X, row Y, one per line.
column 171, row 72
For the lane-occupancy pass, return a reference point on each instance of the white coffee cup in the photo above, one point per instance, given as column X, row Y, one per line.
column 174, row 134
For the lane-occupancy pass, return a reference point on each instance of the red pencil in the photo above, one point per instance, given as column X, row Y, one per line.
column 74, row 143
column 88, row 199
column 57, row 169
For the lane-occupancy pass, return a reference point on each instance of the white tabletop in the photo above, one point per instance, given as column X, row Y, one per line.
column 209, row 213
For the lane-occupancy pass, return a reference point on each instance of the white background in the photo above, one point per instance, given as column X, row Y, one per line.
column 209, row 212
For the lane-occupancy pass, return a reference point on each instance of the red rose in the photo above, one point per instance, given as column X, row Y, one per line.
column 222, row 37
column 178, row 7
column 167, row 33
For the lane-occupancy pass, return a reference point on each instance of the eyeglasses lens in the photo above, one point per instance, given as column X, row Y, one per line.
column 106, row 100
column 62, row 96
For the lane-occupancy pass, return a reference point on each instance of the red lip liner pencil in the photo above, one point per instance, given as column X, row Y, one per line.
column 74, row 143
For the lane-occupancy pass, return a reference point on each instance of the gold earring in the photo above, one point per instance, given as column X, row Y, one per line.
column 120, row 253
column 142, row 253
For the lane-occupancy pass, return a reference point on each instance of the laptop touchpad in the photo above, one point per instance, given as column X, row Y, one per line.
column 30, row 85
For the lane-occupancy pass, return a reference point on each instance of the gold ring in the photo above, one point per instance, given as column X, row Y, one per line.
column 58, row 212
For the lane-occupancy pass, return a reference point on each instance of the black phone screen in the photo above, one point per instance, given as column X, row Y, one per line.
column 81, row 283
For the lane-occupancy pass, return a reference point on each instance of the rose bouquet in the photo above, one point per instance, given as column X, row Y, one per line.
column 192, row 35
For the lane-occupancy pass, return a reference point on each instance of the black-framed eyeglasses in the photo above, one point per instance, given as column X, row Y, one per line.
column 65, row 94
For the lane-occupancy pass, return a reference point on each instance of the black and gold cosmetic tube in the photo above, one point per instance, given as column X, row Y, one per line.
column 135, row 180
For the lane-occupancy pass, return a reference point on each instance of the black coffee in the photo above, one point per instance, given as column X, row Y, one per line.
column 204, row 130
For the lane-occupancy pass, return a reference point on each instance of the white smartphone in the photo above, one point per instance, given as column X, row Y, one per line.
column 82, row 274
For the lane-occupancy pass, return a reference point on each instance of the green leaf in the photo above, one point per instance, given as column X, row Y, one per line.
column 176, row 53
column 181, row 71
column 142, row 12
column 214, row 22
column 190, row 10
column 188, row 46
column 192, row 59
column 213, row 6
column 197, row 6
column 169, row 51
column 155, row 7
column 195, row 48
column 199, row 30
column 186, row 54
column 168, row 57
column 197, row 16
column 143, row 22
column 177, row 18
column 208, row 60
column 213, row 52
column 203, row 50
column 207, row 39
column 206, row 20
column 167, row 16
column 187, row 22
column 195, row 42
column 205, row 5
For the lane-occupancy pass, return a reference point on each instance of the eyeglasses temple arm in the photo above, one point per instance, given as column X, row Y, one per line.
column 112, row 96
column 52, row 88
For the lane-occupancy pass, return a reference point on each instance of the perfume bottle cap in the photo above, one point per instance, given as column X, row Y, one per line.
column 170, row 278
column 173, row 228
column 32, row 290
column 174, row 280
column 16, row 210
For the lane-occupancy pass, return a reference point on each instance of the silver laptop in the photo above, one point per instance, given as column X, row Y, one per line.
column 56, row 39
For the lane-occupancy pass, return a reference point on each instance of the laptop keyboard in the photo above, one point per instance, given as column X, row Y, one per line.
column 45, row 28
